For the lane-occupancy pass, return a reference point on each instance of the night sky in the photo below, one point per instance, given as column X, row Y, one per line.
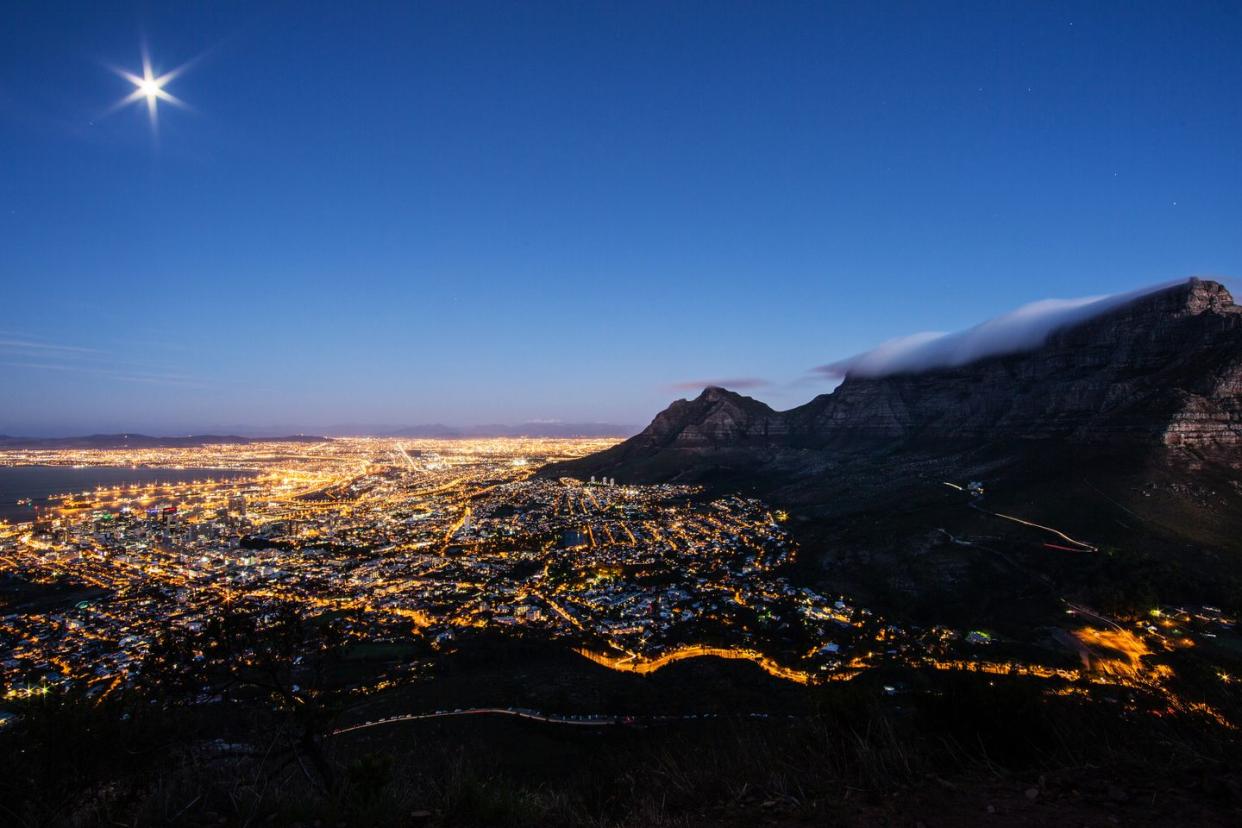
column 471, row 213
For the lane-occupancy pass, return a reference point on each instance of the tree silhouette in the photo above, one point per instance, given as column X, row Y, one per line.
column 274, row 658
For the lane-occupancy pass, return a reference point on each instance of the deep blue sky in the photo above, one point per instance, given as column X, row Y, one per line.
column 468, row 212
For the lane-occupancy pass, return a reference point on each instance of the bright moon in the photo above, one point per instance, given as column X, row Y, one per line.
column 150, row 87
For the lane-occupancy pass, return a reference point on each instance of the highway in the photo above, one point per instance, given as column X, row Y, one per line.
column 634, row 664
column 591, row 720
column 516, row 712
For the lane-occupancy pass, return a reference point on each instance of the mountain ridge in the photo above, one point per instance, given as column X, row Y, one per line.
column 1162, row 370
column 117, row 441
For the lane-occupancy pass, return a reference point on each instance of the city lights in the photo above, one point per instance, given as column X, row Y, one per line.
column 426, row 539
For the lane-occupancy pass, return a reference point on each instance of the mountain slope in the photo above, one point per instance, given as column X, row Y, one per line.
column 1162, row 370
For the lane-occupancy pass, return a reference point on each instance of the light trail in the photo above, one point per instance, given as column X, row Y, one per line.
column 584, row 720
column 1057, row 532
column 547, row 718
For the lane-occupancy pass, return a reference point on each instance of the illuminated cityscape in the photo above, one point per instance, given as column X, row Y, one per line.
column 424, row 539
column 620, row 415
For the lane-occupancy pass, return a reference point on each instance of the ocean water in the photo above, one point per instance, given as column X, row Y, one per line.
column 38, row 482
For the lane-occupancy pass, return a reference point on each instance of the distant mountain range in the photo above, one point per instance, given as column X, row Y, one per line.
column 536, row 429
column 430, row 432
column 117, row 441
column 543, row 428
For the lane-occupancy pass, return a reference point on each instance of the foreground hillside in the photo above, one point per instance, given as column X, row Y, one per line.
column 941, row 751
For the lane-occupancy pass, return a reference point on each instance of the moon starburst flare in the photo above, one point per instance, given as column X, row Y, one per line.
column 150, row 87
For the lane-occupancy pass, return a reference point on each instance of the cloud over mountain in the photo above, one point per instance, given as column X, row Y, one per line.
column 1023, row 329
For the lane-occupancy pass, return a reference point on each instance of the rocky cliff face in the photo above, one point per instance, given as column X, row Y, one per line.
column 1162, row 370
column 717, row 417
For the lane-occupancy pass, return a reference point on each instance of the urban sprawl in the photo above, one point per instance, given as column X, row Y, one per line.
column 434, row 538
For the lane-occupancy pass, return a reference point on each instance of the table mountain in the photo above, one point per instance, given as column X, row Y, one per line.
column 1163, row 370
